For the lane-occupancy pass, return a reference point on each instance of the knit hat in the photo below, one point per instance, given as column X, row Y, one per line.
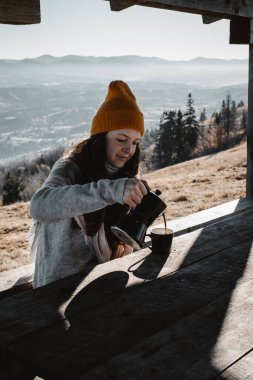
column 118, row 111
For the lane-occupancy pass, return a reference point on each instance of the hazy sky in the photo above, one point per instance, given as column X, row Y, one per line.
column 89, row 27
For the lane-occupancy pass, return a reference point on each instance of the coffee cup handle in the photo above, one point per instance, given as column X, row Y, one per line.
column 147, row 245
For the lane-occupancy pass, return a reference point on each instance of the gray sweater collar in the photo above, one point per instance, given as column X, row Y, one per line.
column 110, row 169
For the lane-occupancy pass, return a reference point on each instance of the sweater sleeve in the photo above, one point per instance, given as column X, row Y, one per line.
column 61, row 198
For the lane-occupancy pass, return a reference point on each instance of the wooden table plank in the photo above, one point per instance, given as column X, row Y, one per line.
column 54, row 298
column 42, row 307
column 241, row 370
column 16, row 280
column 98, row 334
column 200, row 346
column 206, row 217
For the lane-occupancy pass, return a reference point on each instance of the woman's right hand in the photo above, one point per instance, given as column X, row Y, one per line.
column 134, row 192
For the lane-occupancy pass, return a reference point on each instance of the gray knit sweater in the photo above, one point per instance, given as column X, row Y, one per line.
column 61, row 248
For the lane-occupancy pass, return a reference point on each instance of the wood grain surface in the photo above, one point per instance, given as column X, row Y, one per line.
column 142, row 316
column 112, row 328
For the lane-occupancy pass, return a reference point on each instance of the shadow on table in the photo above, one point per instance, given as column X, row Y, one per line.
column 149, row 267
column 167, row 328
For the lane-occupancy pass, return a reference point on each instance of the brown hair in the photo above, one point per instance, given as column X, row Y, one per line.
column 90, row 156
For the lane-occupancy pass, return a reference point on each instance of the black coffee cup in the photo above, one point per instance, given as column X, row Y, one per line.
column 161, row 241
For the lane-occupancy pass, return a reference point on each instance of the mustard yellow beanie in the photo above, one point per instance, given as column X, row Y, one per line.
column 118, row 111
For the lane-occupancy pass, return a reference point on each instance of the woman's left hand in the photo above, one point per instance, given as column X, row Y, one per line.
column 122, row 250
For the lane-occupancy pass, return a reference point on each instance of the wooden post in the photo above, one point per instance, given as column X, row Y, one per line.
column 249, row 183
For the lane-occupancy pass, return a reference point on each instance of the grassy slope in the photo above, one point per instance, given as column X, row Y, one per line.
column 186, row 188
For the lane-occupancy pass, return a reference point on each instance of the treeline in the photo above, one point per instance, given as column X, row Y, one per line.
column 19, row 180
column 182, row 136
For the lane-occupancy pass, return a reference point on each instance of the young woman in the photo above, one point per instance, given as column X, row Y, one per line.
column 89, row 190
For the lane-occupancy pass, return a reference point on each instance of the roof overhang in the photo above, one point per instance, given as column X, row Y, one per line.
column 19, row 12
column 217, row 9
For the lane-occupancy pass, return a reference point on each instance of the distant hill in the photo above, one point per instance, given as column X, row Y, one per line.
column 204, row 71
column 218, row 61
column 125, row 59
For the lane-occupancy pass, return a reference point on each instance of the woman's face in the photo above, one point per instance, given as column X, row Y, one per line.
column 121, row 146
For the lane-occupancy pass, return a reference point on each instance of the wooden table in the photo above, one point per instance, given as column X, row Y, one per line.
column 185, row 316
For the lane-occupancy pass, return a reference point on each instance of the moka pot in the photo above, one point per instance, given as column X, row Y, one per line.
column 132, row 229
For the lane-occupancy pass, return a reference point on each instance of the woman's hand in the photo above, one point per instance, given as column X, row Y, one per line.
column 134, row 192
column 121, row 251
column 146, row 184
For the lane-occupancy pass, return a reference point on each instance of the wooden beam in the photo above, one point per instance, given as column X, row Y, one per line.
column 120, row 5
column 217, row 8
column 19, row 12
column 249, row 178
column 208, row 19
column 239, row 31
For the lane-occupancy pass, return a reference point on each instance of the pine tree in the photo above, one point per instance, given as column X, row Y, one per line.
column 180, row 133
column 244, row 122
column 228, row 115
column 165, row 150
column 168, row 136
column 233, row 115
column 225, row 117
column 12, row 189
column 155, row 159
column 202, row 117
column 218, row 131
column 191, row 126
column 222, row 113
column 177, row 136
column 153, row 133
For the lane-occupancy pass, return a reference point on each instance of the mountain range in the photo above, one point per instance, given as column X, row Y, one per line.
column 133, row 59
column 201, row 71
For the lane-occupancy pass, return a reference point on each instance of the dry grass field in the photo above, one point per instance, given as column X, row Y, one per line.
column 186, row 188
column 201, row 183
